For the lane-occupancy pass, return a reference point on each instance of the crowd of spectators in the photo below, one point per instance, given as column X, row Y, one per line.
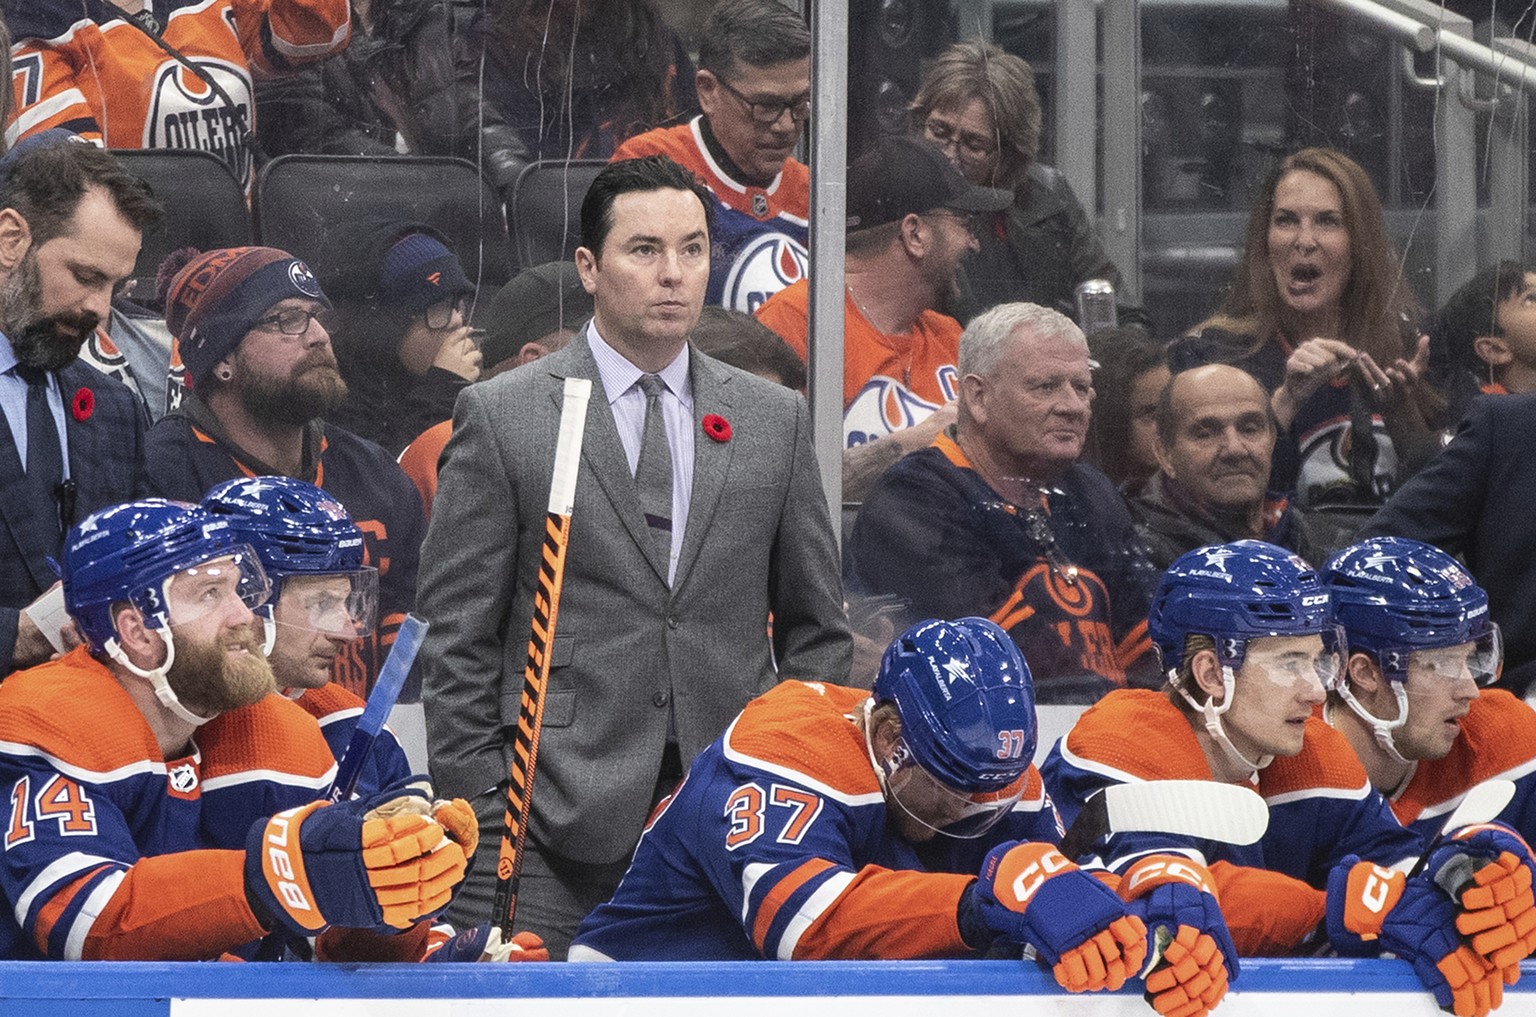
column 1003, row 464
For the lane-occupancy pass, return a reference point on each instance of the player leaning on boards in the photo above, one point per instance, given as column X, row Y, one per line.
column 1250, row 648
column 143, row 771
column 830, row 823
column 1420, row 644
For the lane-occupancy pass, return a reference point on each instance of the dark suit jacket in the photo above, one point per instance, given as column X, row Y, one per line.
column 106, row 461
column 627, row 648
column 1474, row 500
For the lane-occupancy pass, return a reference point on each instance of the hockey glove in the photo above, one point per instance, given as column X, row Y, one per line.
column 1487, row 868
column 1192, row 958
column 1030, row 893
column 366, row 863
column 1368, row 906
column 483, row 943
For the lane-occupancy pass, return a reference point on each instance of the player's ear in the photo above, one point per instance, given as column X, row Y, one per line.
column 15, row 238
column 1207, row 673
column 141, row 643
column 1365, row 675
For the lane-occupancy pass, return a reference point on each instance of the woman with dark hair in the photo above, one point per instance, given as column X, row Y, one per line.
column 1320, row 313
column 1483, row 339
column 1122, row 434
column 979, row 104
column 403, row 338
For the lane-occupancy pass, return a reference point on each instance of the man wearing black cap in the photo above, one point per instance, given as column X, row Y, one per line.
column 909, row 214
column 250, row 324
column 71, row 219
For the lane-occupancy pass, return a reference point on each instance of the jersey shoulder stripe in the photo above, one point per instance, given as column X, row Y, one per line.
column 1135, row 734
column 331, row 702
column 243, row 745
column 1497, row 739
column 801, row 731
column 1326, row 767
column 42, row 715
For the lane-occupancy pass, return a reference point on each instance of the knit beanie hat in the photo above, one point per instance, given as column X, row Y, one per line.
column 220, row 295
column 419, row 271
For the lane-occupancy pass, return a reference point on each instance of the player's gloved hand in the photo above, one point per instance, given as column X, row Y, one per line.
column 1488, row 869
column 484, row 943
column 1372, row 907
column 365, row 863
column 1030, row 893
column 1192, row 959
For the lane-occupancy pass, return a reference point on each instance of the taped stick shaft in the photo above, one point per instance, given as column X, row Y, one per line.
column 397, row 666
column 546, row 612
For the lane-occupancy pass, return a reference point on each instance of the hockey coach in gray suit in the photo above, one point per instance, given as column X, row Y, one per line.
column 699, row 514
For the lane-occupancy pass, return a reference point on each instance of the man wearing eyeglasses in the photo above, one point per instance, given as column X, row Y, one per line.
column 251, row 325
column 754, row 86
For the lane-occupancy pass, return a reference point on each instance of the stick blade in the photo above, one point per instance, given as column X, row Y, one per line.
column 1481, row 804
column 1189, row 808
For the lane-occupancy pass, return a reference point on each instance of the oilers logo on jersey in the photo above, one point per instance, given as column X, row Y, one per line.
column 884, row 405
column 184, row 112
column 761, row 268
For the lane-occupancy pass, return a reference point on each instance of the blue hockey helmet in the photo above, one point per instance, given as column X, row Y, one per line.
column 293, row 526
column 297, row 529
column 130, row 553
column 1233, row 593
column 1395, row 596
column 966, row 702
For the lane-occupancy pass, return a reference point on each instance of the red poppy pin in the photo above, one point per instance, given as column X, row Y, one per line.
column 83, row 404
column 717, row 427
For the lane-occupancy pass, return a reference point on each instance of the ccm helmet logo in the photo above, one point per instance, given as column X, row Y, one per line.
column 1314, row 600
column 280, row 864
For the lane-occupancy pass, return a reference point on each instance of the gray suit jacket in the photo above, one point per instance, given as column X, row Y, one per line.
column 626, row 648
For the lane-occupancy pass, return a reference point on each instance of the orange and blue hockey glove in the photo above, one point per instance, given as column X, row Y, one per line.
column 369, row 863
column 1487, row 868
column 1030, row 893
column 1371, row 908
column 1192, row 959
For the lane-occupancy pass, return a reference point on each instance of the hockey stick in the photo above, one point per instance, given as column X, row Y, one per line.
column 546, row 609
column 397, row 666
column 1190, row 808
column 1479, row 805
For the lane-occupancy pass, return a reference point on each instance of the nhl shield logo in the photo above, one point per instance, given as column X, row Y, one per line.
column 183, row 778
column 760, row 205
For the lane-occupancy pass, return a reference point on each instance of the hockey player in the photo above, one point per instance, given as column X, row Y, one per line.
column 323, row 599
column 1420, row 644
column 830, row 823
column 163, row 804
column 1250, row 649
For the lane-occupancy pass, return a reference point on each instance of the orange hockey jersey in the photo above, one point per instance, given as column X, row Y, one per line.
column 87, row 67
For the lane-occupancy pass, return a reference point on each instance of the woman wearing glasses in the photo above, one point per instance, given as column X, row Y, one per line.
column 979, row 104
column 403, row 338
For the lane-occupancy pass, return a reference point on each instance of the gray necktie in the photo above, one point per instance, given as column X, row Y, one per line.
column 653, row 473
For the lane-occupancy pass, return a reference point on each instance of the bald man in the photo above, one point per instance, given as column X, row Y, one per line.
column 1215, row 437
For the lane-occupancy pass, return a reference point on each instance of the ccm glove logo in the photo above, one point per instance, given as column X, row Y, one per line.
column 1156, row 870
column 284, row 867
column 1048, row 863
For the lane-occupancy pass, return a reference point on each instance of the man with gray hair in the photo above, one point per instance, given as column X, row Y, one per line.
column 998, row 518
